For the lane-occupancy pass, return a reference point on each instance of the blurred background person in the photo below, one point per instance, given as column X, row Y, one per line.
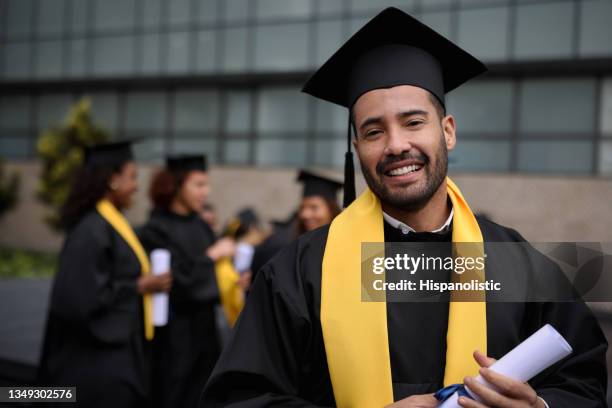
column 318, row 207
column 187, row 348
column 97, row 324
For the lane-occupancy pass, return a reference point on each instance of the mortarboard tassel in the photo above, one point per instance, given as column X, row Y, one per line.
column 349, row 171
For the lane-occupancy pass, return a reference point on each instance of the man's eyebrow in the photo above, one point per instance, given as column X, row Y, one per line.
column 412, row 112
column 401, row 115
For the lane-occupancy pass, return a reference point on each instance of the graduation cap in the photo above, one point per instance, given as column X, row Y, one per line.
column 392, row 49
column 109, row 154
column 317, row 185
column 187, row 162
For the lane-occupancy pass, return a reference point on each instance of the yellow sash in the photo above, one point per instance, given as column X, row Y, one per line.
column 108, row 211
column 232, row 297
column 355, row 332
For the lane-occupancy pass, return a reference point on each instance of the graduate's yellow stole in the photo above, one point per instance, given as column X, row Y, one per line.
column 232, row 297
column 355, row 332
column 110, row 213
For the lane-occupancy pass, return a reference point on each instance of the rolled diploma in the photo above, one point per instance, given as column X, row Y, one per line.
column 160, row 263
column 534, row 355
column 243, row 257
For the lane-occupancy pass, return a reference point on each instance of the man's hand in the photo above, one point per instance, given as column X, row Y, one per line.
column 222, row 248
column 416, row 401
column 509, row 393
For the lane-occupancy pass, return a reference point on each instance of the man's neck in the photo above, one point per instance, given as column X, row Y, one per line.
column 427, row 218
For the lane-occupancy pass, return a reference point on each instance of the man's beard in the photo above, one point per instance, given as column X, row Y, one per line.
column 406, row 198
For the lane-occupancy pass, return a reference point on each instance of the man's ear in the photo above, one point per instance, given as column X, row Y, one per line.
column 449, row 127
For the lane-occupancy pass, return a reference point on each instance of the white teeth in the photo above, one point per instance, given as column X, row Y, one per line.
column 404, row 170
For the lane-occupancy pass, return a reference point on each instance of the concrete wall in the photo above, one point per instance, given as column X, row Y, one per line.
column 541, row 208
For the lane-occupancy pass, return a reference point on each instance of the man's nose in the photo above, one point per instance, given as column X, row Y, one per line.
column 396, row 144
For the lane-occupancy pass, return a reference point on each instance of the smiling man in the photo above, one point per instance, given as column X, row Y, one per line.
column 306, row 337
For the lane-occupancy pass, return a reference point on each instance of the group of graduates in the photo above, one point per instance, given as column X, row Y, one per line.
column 100, row 336
column 306, row 337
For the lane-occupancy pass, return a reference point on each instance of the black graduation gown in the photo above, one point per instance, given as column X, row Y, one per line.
column 95, row 336
column 186, row 350
column 276, row 356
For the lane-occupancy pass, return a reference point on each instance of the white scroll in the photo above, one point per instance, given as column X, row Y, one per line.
column 160, row 263
column 534, row 355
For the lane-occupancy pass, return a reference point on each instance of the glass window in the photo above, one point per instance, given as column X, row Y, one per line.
column 328, row 37
column 150, row 149
column 17, row 58
column 364, row 6
column 52, row 110
column 50, row 19
column 49, row 59
column 179, row 12
column 207, row 11
column 15, row 145
column 482, row 107
column 235, row 49
column 113, row 55
column 236, row 10
column 281, row 47
column 330, row 118
column 282, row 111
column 237, row 151
column 595, row 28
column 196, row 111
column 480, row 155
column 330, row 153
column 15, row 112
column 557, row 106
column 484, row 32
column 535, row 40
column 439, row 21
column 79, row 22
column 178, row 52
column 267, row 9
column 146, row 114
column 196, row 145
column 605, row 158
column 280, row 152
column 151, row 13
column 18, row 18
column 330, row 7
column 78, row 54
column 104, row 109
column 206, row 48
column 555, row 156
column 151, row 60
column 437, row 4
column 606, row 107
column 114, row 14
column 238, row 115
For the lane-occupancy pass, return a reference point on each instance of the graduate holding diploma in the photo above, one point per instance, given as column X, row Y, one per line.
column 306, row 337
column 100, row 315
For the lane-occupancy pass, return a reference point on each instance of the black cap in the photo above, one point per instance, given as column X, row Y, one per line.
column 317, row 185
column 109, row 154
column 392, row 49
column 187, row 162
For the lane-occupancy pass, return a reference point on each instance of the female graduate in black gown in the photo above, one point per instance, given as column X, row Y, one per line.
column 95, row 334
column 187, row 348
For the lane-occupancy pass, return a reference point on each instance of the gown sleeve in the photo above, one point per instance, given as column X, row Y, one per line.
column 87, row 291
column 261, row 366
column 193, row 276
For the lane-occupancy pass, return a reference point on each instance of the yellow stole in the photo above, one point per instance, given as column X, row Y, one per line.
column 110, row 213
column 355, row 332
column 232, row 298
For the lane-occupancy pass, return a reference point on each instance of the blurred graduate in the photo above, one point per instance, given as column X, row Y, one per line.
column 306, row 338
column 318, row 207
column 100, row 311
column 186, row 349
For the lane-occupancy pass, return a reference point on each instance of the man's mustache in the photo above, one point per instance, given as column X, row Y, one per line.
column 388, row 160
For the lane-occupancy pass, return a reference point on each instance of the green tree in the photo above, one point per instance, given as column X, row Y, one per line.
column 9, row 189
column 61, row 150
